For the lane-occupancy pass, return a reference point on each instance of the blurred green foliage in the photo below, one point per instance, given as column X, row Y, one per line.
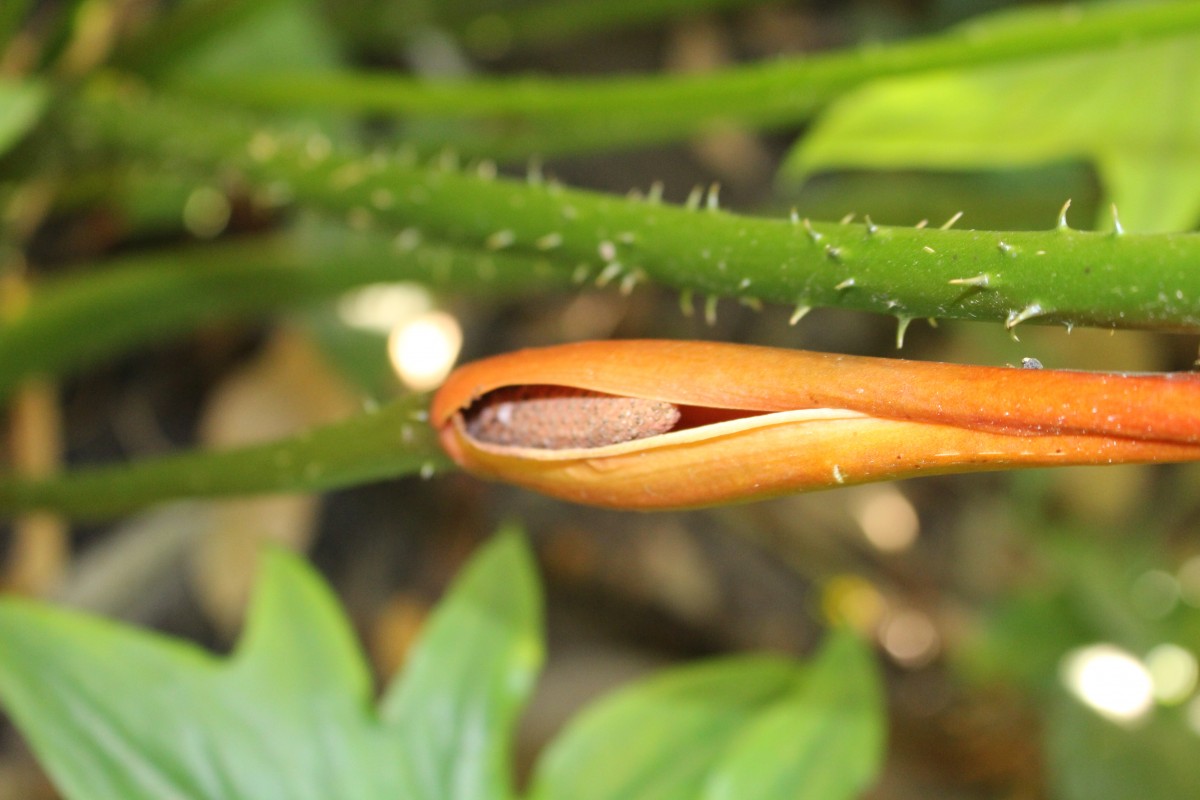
column 116, row 712
column 162, row 130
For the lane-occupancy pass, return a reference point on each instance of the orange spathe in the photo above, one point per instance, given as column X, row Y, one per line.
column 816, row 420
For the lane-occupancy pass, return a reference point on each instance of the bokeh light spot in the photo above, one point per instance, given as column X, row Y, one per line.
column 1110, row 681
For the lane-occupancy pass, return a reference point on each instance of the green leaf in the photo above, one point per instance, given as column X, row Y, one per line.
column 116, row 712
column 229, row 37
column 1128, row 110
column 103, row 727
column 660, row 738
column 279, row 35
column 745, row 727
column 1090, row 758
column 824, row 741
column 1075, row 594
column 21, row 105
column 296, row 698
column 467, row 681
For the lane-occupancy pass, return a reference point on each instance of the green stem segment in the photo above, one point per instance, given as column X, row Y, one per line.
column 547, row 116
column 1060, row 275
column 389, row 443
column 136, row 299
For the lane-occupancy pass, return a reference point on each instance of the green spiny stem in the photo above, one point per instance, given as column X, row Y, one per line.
column 78, row 320
column 389, row 443
column 1056, row 276
column 541, row 116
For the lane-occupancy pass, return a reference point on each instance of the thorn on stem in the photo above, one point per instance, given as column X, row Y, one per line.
column 1117, row 229
column 549, row 242
column 383, row 199
column 348, row 175
column 902, row 323
column 533, row 172
column 687, row 303
column 713, row 203
column 979, row 281
column 486, row 169
column 609, row 273
column 1030, row 311
column 1062, row 217
column 447, row 160
column 800, row 313
column 500, row 240
column 948, row 224
column 407, row 240
column 808, row 228
column 628, row 282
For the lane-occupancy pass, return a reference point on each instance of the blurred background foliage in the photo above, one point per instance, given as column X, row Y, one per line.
column 1039, row 630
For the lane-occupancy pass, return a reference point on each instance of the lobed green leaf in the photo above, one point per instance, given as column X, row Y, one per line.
column 473, row 672
column 824, row 741
column 743, row 727
column 660, row 738
column 116, row 712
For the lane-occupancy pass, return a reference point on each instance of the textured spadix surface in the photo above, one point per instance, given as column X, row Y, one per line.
column 756, row 422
